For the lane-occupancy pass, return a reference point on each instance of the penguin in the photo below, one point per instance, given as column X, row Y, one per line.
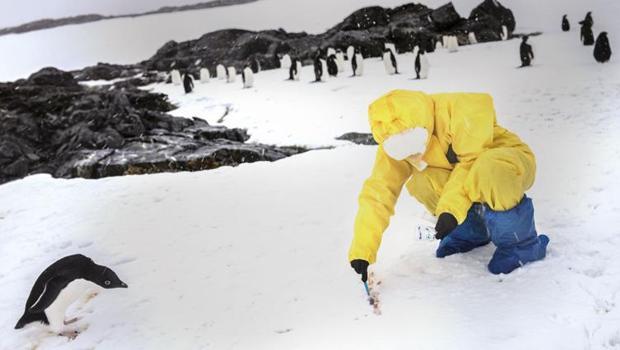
column 587, row 37
column 357, row 63
column 526, row 53
column 204, row 75
column 332, row 65
column 445, row 40
column 298, row 70
column 602, row 50
column 176, row 77
column 330, row 51
column 318, row 67
column 247, row 76
column 292, row 71
column 504, row 34
column 389, row 61
column 453, row 44
column 565, row 24
column 188, row 83
column 231, row 74
column 351, row 53
column 255, row 66
column 472, row 38
column 221, row 72
column 421, row 64
column 285, row 62
column 60, row 285
column 340, row 60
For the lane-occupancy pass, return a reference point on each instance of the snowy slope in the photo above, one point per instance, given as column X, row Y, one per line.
column 130, row 40
column 254, row 257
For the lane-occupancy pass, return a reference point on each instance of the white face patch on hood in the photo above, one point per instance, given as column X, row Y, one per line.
column 409, row 144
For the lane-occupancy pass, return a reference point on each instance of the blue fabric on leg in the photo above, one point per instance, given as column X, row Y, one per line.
column 514, row 233
column 471, row 234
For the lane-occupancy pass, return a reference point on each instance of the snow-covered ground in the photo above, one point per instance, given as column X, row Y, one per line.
column 254, row 257
column 130, row 40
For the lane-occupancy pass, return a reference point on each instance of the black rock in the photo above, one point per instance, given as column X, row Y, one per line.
column 358, row 138
column 445, row 17
column 51, row 76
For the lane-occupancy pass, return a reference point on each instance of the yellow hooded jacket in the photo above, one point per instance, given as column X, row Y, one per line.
column 464, row 121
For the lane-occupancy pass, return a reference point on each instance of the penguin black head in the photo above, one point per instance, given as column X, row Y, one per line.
column 525, row 37
column 107, row 278
column 604, row 34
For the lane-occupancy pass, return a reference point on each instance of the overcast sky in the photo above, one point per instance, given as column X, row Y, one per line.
column 15, row 12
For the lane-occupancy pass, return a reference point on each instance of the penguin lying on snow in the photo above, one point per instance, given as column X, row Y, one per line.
column 60, row 285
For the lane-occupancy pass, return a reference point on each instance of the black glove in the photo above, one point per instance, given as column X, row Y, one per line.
column 445, row 224
column 361, row 267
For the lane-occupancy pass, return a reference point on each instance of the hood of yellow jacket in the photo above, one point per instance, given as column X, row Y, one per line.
column 400, row 110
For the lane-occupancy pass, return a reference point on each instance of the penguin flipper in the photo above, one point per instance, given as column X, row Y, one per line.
column 50, row 292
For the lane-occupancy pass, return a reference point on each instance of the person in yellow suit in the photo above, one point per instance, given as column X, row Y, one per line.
column 452, row 156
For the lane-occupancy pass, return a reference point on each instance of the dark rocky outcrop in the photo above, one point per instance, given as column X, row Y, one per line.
column 358, row 138
column 487, row 19
column 368, row 28
column 51, row 124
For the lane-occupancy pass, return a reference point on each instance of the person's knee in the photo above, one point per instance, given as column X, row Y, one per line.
column 496, row 179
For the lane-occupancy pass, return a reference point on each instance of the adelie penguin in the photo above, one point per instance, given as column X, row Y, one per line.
column 60, row 285
column 421, row 64
column 565, row 24
column 318, row 68
column 357, row 63
column 332, row 65
column 602, row 50
column 294, row 70
column 587, row 37
column 247, row 76
column 188, row 83
column 526, row 53
column 389, row 61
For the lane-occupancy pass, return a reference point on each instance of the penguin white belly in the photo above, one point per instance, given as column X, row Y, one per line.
column 71, row 293
column 387, row 62
column 360, row 64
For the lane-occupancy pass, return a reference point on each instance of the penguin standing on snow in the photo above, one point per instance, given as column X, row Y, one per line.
column 389, row 61
column 247, row 76
column 318, row 67
column 188, row 83
column 332, row 66
column 60, row 285
column 231, row 74
column 526, row 53
column 602, row 50
column 351, row 53
column 285, row 62
column 565, row 24
column 221, row 72
column 204, row 75
column 292, row 71
column 175, row 76
column 421, row 64
column 587, row 37
column 357, row 63
column 340, row 60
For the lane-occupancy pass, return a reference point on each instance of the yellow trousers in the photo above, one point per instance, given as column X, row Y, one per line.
column 498, row 178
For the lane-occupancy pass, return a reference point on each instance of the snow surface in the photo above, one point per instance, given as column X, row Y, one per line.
column 131, row 40
column 254, row 257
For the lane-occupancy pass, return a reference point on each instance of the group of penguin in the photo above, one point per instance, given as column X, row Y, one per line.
column 333, row 62
column 602, row 50
column 229, row 74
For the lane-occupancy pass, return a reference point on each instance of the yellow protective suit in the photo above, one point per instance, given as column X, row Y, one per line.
column 494, row 166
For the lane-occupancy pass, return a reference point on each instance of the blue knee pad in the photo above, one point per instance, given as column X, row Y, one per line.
column 471, row 234
column 514, row 233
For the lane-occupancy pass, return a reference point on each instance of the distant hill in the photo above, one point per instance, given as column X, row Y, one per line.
column 48, row 23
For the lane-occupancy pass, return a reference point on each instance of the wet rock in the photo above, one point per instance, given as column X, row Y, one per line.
column 68, row 130
column 358, row 138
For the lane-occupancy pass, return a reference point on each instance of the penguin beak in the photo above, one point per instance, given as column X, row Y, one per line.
column 123, row 285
